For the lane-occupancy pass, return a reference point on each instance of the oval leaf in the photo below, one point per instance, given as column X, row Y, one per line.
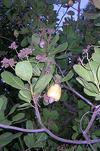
column 98, row 74
column 42, row 83
column 89, row 93
column 24, row 70
column 60, row 48
column 68, row 76
column 53, row 42
column 26, row 95
column 12, row 80
column 83, row 72
column 88, row 85
column 18, row 117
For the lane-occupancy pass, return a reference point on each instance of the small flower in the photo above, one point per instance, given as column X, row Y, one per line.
column 13, row 46
column 42, row 43
column 25, row 52
column 41, row 58
column 8, row 62
column 11, row 62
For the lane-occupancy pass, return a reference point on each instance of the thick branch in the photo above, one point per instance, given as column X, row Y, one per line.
column 49, row 133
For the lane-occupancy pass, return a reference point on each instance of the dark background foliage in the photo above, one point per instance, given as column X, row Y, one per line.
column 19, row 20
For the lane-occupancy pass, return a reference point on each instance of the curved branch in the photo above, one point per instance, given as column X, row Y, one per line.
column 3, row 126
column 42, row 130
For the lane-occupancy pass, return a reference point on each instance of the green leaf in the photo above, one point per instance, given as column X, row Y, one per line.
column 96, row 54
column 83, row 72
column 79, row 148
column 69, row 76
column 97, row 133
column 34, row 140
column 97, row 24
column 93, row 65
column 42, row 83
column 24, row 42
column 7, row 137
column 53, row 42
column 98, row 74
column 5, row 121
column 24, row 30
column 36, row 70
column 18, row 117
column 52, row 115
column 97, row 98
column 60, row 49
column 89, row 93
column 7, row 3
column 24, row 106
column 34, row 80
column 24, row 70
column 29, row 124
column 53, row 126
column 88, row 85
column 12, row 80
column 23, row 98
column 38, row 50
column 35, row 39
column 13, row 108
column 26, row 95
column 3, row 103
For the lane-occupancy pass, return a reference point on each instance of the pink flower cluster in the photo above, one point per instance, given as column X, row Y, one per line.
column 8, row 62
column 24, row 53
column 13, row 46
column 41, row 58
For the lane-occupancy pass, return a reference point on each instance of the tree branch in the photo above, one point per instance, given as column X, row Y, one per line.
column 42, row 130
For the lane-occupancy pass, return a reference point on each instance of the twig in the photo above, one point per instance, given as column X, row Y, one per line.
column 74, row 8
column 62, row 17
column 79, row 3
column 59, row 9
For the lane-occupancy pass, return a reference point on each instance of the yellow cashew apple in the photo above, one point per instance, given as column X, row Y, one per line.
column 54, row 92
